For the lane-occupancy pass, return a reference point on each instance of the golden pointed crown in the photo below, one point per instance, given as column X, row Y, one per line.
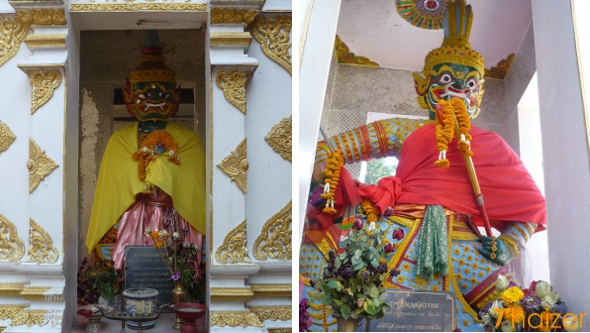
column 455, row 47
column 152, row 66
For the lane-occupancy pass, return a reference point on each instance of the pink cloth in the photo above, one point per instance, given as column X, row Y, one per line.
column 150, row 211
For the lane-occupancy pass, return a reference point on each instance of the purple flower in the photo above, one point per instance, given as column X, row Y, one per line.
column 389, row 248
column 388, row 211
column 395, row 272
column 176, row 276
column 561, row 308
column 358, row 224
column 382, row 268
column 305, row 320
column 398, row 234
column 531, row 303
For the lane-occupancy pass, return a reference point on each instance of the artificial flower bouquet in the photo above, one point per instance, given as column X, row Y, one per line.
column 351, row 284
column 180, row 257
column 97, row 280
column 535, row 309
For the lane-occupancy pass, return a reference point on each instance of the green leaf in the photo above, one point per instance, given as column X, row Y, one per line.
column 335, row 285
column 360, row 302
column 369, row 307
column 327, row 300
column 345, row 311
column 348, row 291
column 373, row 291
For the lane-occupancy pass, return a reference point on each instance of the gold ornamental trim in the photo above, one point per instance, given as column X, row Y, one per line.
column 41, row 249
column 235, row 165
column 273, row 35
column 234, row 319
column 40, row 165
column 19, row 316
column 235, row 247
column 12, row 32
column 280, row 330
column 230, row 38
column 34, row 293
column 280, row 138
column 274, row 241
column 45, row 40
column 6, row 137
column 11, row 289
column 2, row 328
column 133, row 7
column 43, row 84
column 344, row 56
column 501, row 69
column 11, row 246
column 231, row 294
column 272, row 313
column 48, row 17
column 232, row 15
column 233, row 83
column 271, row 290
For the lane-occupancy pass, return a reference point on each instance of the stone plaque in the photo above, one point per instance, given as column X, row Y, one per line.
column 144, row 267
column 412, row 311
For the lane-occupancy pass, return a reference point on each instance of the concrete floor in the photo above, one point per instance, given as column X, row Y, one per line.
column 163, row 324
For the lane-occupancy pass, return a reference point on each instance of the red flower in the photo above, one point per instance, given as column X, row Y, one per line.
column 85, row 312
column 389, row 248
column 388, row 211
column 398, row 234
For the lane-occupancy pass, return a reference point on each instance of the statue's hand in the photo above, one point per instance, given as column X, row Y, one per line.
column 495, row 249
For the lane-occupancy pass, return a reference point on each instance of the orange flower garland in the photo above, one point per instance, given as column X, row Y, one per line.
column 445, row 130
column 146, row 154
column 369, row 210
column 332, row 173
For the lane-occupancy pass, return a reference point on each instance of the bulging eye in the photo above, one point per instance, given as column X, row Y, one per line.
column 472, row 84
column 161, row 94
column 446, row 78
column 141, row 96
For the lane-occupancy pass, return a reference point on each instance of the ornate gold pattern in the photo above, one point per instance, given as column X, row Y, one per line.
column 6, row 137
column 235, row 165
column 130, row 7
column 39, row 165
column 344, row 55
column 43, row 83
column 279, row 330
column 19, row 316
column 46, row 40
column 275, row 239
column 235, row 247
column 230, row 38
column 234, row 319
column 280, row 138
column 34, row 293
column 501, row 69
column 48, row 16
column 274, row 37
column 271, row 290
column 10, row 311
column 273, row 313
column 2, row 328
column 11, row 246
column 41, row 247
column 11, row 288
column 12, row 32
column 231, row 294
column 232, row 15
column 233, row 83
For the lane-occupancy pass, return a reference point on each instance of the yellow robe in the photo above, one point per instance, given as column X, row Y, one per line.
column 118, row 180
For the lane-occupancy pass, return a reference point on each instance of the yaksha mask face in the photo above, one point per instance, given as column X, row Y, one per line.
column 157, row 100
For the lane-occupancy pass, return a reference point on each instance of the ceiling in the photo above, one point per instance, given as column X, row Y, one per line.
column 375, row 30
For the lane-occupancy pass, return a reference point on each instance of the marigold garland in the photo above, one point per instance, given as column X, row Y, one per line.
column 332, row 173
column 368, row 209
column 512, row 295
column 146, row 154
column 445, row 129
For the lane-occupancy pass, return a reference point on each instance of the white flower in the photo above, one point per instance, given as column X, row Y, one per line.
column 163, row 233
column 507, row 326
column 148, row 231
column 486, row 318
column 496, row 308
column 502, row 283
column 542, row 289
column 186, row 244
column 196, row 246
column 175, row 235
column 371, row 226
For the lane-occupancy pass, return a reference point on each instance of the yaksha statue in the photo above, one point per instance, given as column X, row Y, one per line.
column 152, row 173
column 428, row 209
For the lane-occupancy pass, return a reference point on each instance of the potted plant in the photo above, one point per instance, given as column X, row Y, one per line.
column 351, row 284
column 96, row 281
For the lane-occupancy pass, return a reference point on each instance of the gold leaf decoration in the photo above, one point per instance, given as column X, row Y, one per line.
column 29, row 318
column 235, row 247
column 39, row 165
column 235, row 165
column 41, row 247
column 49, row 16
column 273, row 34
column 233, row 83
column 280, row 138
column 43, row 83
column 275, row 240
column 12, row 33
column 11, row 246
column 279, row 330
column 6, row 137
column 133, row 7
column 232, row 15
column 2, row 328
column 234, row 319
column 501, row 69
column 272, row 313
column 271, row 289
column 10, row 311
column 231, row 294
column 344, row 55
column 11, row 289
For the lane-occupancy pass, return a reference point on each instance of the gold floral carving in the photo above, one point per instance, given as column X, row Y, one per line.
column 344, row 55
column 48, row 16
column 274, row 37
column 41, row 247
column 275, row 240
column 271, row 290
column 12, row 32
column 272, row 313
column 233, row 83
column 10, row 311
column 131, row 7
column 11, row 246
column 39, row 165
column 232, row 15
column 280, row 138
column 19, row 316
column 279, row 330
column 501, row 69
column 231, row 294
column 43, row 83
column 235, row 165
column 234, row 319
column 235, row 247
column 2, row 328
column 9, row 289
column 6, row 137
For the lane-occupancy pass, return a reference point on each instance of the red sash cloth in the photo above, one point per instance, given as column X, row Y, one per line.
column 509, row 192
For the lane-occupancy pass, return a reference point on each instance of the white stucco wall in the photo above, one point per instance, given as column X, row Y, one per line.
column 565, row 151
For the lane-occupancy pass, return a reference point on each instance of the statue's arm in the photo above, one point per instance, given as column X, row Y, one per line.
column 508, row 245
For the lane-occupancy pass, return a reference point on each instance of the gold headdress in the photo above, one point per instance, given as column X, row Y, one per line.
column 152, row 66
